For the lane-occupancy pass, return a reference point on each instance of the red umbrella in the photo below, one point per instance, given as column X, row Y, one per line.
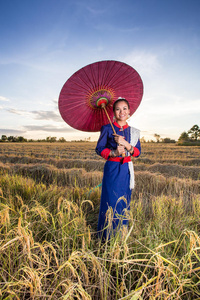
column 98, row 86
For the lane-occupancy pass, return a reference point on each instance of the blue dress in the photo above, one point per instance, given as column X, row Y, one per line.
column 116, row 190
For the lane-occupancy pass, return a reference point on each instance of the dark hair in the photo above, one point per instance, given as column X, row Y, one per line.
column 120, row 100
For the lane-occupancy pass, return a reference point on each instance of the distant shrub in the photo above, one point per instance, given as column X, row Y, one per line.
column 189, row 143
column 168, row 140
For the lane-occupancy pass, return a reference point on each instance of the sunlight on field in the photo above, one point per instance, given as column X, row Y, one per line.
column 50, row 198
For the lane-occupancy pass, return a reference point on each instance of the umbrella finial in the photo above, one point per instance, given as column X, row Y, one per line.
column 95, row 98
column 102, row 102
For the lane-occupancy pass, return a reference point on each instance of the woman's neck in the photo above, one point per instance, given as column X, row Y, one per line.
column 121, row 123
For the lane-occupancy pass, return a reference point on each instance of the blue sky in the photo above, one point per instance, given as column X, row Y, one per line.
column 43, row 42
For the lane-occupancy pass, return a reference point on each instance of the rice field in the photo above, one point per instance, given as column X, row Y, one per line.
column 49, row 203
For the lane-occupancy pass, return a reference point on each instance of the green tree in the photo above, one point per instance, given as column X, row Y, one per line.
column 157, row 136
column 51, row 139
column 62, row 140
column 184, row 137
column 194, row 133
column 4, row 138
column 142, row 140
column 168, row 140
column 21, row 139
column 12, row 139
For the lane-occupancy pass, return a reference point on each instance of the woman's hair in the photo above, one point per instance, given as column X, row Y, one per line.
column 120, row 100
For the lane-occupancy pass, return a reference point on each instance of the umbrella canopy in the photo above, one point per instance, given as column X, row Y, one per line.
column 83, row 93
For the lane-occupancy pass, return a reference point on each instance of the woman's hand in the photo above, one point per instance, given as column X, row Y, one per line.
column 120, row 150
column 120, row 140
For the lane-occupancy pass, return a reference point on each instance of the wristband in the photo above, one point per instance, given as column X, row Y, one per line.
column 113, row 153
column 131, row 150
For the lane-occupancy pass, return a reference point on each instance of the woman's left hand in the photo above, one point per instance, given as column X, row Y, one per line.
column 120, row 140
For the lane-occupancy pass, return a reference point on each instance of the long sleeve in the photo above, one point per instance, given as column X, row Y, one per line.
column 102, row 148
column 137, row 149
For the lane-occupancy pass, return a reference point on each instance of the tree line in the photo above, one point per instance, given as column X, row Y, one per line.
column 21, row 139
column 192, row 136
column 49, row 139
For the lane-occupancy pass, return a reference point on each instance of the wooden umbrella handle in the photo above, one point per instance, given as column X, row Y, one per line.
column 104, row 107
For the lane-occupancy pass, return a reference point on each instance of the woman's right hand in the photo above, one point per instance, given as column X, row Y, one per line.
column 119, row 150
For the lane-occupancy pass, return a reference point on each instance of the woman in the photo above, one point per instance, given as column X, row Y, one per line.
column 118, row 178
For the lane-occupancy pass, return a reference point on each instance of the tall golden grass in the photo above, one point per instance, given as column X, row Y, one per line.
column 49, row 206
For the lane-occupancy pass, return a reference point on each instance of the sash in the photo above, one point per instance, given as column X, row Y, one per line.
column 134, row 137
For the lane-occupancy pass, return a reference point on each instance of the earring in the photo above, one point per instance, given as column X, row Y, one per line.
column 114, row 119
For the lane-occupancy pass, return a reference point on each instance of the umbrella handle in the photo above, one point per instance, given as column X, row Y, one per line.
column 104, row 107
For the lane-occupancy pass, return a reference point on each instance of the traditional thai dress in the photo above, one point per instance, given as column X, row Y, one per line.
column 118, row 178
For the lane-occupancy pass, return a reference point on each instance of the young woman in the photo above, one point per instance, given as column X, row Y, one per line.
column 118, row 178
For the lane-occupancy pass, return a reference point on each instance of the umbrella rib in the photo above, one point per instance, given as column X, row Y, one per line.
column 124, row 80
column 115, row 79
column 110, row 73
column 104, row 72
column 92, row 83
column 114, row 74
column 78, row 84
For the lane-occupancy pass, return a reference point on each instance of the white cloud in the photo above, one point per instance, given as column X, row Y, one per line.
column 170, row 105
column 4, row 99
column 147, row 62
column 38, row 115
column 49, row 128
column 16, row 111
column 46, row 115
column 11, row 132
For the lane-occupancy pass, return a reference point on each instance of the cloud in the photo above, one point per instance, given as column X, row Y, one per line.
column 170, row 105
column 147, row 62
column 52, row 102
column 11, row 132
column 95, row 11
column 46, row 115
column 38, row 115
column 4, row 99
column 49, row 128
column 16, row 111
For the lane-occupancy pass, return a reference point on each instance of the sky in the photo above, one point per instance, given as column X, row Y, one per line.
column 44, row 42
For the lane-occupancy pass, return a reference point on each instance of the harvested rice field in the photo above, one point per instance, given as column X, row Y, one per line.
column 49, row 202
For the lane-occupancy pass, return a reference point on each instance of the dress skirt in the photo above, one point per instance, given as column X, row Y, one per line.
column 115, row 198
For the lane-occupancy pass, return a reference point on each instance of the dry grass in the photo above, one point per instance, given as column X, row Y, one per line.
column 49, row 206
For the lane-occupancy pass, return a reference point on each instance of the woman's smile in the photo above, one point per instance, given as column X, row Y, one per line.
column 121, row 112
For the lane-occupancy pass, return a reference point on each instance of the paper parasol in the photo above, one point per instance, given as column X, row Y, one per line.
column 97, row 84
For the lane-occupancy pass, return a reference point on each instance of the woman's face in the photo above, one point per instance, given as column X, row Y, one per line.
column 121, row 111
